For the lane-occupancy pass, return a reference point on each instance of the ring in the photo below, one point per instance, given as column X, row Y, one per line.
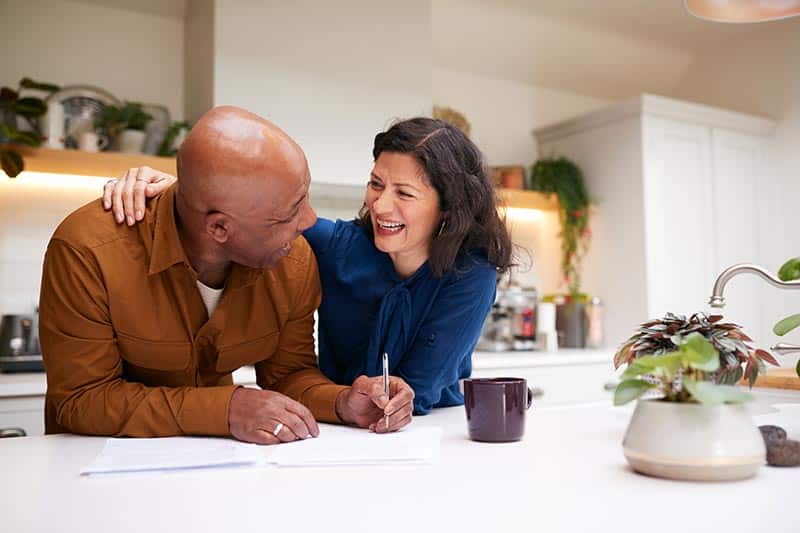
column 277, row 429
column 113, row 180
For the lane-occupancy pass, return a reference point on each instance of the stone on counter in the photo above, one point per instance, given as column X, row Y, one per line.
column 772, row 434
column 786, row 453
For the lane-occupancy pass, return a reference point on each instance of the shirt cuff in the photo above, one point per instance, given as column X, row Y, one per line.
column 321, row 401
column 205, row 411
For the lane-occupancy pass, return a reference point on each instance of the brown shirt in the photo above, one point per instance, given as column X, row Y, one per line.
column 129, row 348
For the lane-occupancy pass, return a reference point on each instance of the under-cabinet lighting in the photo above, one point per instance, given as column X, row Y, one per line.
column 521, row 214
column 54, row 181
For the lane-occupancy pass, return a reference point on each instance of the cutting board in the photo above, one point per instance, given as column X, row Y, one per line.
column 779, row 378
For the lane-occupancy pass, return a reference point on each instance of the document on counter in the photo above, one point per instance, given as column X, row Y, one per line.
column 172, row 453
column 346, row 446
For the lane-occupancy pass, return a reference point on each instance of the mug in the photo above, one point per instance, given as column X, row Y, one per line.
column 91, row 142
column 496, row 408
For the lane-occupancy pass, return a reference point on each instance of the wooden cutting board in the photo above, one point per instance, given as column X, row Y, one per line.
column 779, row 378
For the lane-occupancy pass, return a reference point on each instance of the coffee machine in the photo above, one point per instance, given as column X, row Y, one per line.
column 511, row 325
column 19, row 344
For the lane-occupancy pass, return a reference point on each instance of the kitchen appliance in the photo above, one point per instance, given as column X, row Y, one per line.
column 19, row 344
column 511, row 325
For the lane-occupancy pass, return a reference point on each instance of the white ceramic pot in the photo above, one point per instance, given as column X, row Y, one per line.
column 131, row 141
column 693, row 442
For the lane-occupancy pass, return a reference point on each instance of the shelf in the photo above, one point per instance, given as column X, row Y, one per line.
column 113, row 164
column 103, row 164
column 521, row 199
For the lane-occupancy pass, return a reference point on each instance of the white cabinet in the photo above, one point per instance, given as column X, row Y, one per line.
column 676, row 201
column 26, row 413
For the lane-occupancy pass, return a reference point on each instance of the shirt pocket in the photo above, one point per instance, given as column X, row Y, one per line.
column 229, row 358
column 155, row 355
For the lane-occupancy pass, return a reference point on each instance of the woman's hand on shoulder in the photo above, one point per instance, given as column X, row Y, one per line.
column 126, row 195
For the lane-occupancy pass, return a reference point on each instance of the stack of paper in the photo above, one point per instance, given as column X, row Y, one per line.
column 172, row 453
column 338, row 445
column 335, row 446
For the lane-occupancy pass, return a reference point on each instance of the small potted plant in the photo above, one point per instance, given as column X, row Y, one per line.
column 690, row 421
column 30, row 109
column 125, row 126
column 790, row 271
column 564, row 178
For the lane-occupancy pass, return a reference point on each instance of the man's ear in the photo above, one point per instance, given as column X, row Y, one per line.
column 218, row 226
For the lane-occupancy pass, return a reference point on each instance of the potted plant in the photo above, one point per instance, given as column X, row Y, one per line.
column 30, row 109
column 790, row 271
column 125, row 126
column 564, row 178
column 689, row 422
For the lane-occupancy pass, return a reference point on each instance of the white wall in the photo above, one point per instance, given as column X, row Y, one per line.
column 332, row 74
column 763, row 76
column 135, row 56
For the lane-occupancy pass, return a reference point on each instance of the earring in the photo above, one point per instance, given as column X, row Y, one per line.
column 441, row 228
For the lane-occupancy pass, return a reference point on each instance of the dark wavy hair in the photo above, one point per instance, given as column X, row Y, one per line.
column 456, row 169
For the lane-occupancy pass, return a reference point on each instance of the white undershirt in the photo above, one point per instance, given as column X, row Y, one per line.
column 210, row 297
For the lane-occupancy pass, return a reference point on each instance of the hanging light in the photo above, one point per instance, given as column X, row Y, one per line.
column 743, row 10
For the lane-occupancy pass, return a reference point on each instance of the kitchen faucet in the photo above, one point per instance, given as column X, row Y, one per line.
column 718, row 301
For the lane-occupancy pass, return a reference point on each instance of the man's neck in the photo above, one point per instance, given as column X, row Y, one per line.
column 212, row 270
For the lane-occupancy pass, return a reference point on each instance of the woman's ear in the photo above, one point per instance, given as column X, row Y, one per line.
column 218, row 226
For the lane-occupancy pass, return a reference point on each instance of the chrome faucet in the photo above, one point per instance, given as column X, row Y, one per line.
column 718, row 301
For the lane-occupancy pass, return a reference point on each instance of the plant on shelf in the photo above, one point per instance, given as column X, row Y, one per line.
column 685, row 360
column 565, row 179
column 169, row 147
column 30, row 109
column 114, row 120
column 790, row 271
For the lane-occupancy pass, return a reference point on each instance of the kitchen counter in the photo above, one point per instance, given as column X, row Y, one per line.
column 567, row 474
column 35, row 384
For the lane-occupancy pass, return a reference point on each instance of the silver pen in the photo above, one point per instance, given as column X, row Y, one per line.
column 386, row 381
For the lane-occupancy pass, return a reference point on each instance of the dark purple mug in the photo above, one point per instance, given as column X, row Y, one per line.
column 496, row 408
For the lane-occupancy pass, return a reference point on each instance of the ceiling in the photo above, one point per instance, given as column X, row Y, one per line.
column 609, row 49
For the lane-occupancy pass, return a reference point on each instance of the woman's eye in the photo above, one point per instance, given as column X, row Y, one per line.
column 405, row 194
column 374, row 184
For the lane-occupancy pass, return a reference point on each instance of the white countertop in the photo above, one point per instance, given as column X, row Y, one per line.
column 567, row 474
column 35, row 384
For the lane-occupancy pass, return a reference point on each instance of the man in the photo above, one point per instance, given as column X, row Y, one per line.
column 142, row 326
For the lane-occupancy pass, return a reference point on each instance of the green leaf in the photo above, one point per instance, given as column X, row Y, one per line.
column 711, row 394
column 26, row 137
column 28, row 83
column 11, row 162
column 786, row 325
column 629, row 390
column 790, row 270
column 30, row 107
column 700, row 353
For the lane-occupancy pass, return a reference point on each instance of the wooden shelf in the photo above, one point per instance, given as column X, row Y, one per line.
column 103, row 164
column 113, row 164
column 521, row 199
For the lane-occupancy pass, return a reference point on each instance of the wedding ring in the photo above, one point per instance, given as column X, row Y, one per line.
column 111, row 181
column 277, row 429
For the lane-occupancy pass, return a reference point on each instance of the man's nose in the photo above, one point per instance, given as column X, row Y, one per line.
column 307, row 217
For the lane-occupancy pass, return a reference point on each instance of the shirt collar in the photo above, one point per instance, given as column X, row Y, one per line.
column 167, row 249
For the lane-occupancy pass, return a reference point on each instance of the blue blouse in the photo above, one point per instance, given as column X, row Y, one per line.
column 429, row 326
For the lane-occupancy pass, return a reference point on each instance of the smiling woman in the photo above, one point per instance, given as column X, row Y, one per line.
column 414, row 276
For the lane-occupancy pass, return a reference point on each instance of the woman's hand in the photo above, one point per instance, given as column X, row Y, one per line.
column 126, row 195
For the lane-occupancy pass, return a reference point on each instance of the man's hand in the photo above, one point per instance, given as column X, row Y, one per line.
column 255, row 415
column 365, row 404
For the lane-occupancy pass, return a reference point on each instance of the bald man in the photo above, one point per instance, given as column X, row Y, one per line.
column 141, row 327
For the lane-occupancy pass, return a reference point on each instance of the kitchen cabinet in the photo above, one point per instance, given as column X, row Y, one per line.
column 675, row 202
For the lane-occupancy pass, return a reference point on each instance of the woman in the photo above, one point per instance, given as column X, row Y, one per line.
column 414, row 276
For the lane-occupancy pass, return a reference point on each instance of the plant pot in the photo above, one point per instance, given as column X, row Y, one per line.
column 131, row 141
column 691, row 441
column 572, row 324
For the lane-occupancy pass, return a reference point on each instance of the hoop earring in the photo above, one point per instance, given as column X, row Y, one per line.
column 441, row 228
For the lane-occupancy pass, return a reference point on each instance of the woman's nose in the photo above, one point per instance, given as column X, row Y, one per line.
column 382, row 203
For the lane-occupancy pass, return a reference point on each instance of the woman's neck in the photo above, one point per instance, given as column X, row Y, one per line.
column 407, row 264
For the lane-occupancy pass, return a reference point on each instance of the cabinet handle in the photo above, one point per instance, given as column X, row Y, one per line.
column 12, row 432
column 537, row 392
column 610, row 385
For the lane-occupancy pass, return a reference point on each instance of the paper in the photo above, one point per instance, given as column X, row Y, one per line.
column 339, row 446
column 172, row 453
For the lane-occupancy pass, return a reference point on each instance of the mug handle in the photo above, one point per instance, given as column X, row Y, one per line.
column 102, row 141
column 530, row 398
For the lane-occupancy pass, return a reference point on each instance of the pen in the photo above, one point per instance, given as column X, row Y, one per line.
column 386, row 381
